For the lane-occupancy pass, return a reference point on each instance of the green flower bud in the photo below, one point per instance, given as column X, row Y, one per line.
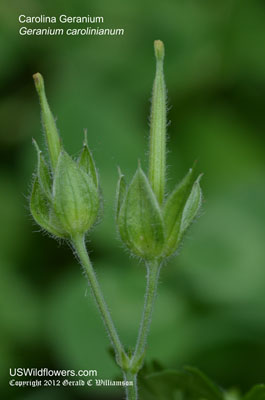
column 139, row 218
column 151, row 225
column 75, row 196
column 71, row 208
column 65, row 195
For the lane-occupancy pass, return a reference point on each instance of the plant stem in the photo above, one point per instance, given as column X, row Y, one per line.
column 131, row 391
column 80, row 247
column 153, row 269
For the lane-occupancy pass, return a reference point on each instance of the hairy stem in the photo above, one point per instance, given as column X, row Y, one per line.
column 153, row 269
column 80, row 247
column 131, row 391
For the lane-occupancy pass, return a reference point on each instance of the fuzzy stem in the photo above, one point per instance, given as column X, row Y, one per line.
column 157, row 151
column 131, row 391
column 79, row 246
column 153, row 269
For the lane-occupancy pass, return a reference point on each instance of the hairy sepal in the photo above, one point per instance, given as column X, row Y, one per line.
column 43, row 173
column 192, row 207
column 75, row 196
column 175, row 223
column 86, row 162
column 140, row 220
column 42, row 212
column 120, row 193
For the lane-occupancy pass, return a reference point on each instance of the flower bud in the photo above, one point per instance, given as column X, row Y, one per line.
column 75, row 196
column 151, row 225
column 139, row 218
column 65, row 195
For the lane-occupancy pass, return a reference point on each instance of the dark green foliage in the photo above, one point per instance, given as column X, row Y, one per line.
column 189, row 384
column 256, row 393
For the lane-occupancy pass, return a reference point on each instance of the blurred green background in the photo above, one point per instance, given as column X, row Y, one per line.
column 210, row 310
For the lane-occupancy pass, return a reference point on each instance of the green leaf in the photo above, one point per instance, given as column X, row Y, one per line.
column 192, row 207
column 43, row 172
column 232, row 394
column 187, row 384
column 201, row 386
column 120, row 193
column 256, row 393
column 140, row 221
column 159, row 386
column 173, row 210
column 86, row 161
column 40, row 209
column 76, row 198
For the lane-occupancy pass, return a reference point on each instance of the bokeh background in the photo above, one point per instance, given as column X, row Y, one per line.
column 210, row 310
